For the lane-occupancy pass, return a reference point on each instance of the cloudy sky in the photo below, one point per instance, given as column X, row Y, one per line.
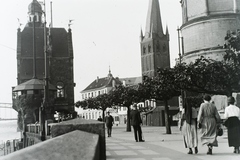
column 105, row 33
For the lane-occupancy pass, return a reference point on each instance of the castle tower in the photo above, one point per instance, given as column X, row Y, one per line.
column 205, row 24
column 154, row 43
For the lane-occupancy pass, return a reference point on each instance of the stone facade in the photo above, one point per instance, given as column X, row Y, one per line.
column 31, row 60
column 205, row 25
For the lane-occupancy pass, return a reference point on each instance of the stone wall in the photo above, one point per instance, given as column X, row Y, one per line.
column 91, row 126
column 70, row 146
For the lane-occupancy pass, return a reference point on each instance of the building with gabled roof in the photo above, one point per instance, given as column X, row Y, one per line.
column 105, row 85
column 100, row 86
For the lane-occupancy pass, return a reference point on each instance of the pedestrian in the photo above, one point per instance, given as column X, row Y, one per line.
column 109, row 123
column 100, row 119
column 232, row 116
column 136, row 122
column 189, row 128
column 208, row 118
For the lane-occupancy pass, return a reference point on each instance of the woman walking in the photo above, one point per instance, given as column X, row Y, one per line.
column 232, row 116
column 189, row 128
column 208, row 118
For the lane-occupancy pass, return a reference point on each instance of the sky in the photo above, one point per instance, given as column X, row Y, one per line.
column 105, row 35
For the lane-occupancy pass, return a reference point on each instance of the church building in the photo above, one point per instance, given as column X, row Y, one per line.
column 154, row 43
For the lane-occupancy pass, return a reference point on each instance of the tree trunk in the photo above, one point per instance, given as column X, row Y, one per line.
column 166, row 115
column 128, row 120
column 103, row 115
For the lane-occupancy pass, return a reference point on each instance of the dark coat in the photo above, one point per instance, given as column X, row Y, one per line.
column 109, row 121
column 135, row 117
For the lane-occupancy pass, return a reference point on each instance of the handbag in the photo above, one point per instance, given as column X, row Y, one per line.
column 219, row 130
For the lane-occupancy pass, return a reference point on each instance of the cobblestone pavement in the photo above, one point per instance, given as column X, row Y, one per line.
column 161, row 146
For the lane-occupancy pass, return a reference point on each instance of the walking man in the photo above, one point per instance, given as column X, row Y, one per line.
column 109, row 123
column 136, row 122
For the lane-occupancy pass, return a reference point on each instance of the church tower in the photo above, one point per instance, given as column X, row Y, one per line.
column 154, row 43
column 205, row 25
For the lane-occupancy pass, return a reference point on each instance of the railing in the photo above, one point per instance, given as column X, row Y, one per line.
column 79, row 145
column 10, row 146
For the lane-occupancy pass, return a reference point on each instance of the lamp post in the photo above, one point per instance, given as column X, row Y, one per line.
column 180, row 58
column 46, row 82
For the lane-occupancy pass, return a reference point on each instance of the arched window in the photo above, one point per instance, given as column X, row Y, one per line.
column 60, row 90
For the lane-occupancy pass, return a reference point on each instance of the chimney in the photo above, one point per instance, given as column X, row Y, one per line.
column 97, row 79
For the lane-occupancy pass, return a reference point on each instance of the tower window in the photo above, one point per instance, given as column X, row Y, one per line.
column 144, row 49
column 149, row 48
column 60, row 89
column 164, row 47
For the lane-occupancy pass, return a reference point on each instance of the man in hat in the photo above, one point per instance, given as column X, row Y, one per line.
column 109, row 123
column 136, row 122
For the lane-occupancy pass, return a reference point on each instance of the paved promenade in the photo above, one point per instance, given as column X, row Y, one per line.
column 160, row 146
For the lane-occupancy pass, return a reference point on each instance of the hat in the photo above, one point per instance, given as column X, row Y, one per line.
column 231, row 99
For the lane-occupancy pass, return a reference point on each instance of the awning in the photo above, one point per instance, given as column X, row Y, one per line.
column 33, row 84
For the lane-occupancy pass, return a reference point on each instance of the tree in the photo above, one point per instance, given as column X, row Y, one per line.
column 125, row 96
column 208, row 76
column 103, row 101
column 163, row 88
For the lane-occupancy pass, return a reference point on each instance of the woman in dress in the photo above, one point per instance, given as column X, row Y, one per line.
column 232, row 116
column 189, row 128
column 208, row 118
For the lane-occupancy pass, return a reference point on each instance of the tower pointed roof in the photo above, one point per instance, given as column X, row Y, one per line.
column 154, row 22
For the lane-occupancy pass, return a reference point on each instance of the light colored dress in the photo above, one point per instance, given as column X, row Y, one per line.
column 189, row 131
column 208, row 117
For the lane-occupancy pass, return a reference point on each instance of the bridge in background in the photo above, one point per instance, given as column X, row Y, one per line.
column 7, row 112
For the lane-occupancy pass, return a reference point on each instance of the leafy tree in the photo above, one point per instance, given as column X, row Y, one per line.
column 103, row 101
column 208, row 76
column 125, row 96
column 162, row 88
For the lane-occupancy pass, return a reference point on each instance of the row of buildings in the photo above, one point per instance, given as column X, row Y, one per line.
column 204, row 26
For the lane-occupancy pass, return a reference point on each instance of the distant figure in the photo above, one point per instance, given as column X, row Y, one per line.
column 109, row 123
column 136, row 121
column 100, row 119
column 208, row 118
column 232, row 116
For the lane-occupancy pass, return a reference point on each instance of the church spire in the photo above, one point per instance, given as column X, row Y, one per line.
column 154, row 22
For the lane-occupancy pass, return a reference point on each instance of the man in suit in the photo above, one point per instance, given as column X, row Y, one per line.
column 136, row 123
column 109, row 123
